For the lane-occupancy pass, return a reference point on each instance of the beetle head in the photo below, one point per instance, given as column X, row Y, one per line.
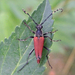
column 39, row 27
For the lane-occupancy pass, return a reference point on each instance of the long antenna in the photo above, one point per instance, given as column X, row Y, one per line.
column 51, row 14
column 29, row 16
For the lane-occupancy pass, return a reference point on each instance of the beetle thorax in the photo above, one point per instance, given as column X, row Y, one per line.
column 39, row 31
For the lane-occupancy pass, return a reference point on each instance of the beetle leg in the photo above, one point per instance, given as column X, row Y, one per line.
column 27, row 60
column 25, row 39
column 29, row 28
column 47, row 56
column 51, row 39
column 50, row 32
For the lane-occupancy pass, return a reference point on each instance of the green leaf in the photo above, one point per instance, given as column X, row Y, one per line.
column 14, row 53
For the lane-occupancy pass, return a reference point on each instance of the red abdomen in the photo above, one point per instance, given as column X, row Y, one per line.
column 38, row 46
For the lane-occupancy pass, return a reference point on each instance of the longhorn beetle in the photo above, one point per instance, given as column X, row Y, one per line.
column 38, row 39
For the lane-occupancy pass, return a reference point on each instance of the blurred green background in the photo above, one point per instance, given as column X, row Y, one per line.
column 62, row 57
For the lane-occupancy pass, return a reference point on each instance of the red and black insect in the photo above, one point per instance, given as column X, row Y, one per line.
column 38, row 39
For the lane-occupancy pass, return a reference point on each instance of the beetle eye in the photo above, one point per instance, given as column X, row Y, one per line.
column 36, row 27
column 41, row 27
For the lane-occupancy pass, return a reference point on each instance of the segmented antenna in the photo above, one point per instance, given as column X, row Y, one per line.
column 29, row 16
column 51, row 14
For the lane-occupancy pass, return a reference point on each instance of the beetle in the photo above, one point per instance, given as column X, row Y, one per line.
column 38, row 39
